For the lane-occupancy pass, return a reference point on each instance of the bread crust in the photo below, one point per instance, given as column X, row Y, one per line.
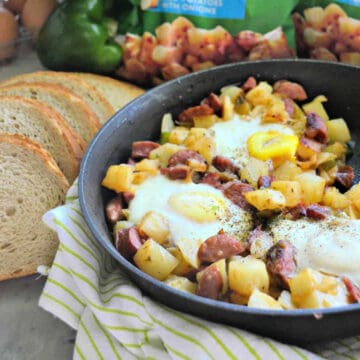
column 92, row 121
column 75, row 145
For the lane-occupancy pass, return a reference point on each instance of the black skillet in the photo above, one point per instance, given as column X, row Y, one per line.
column 141, row 120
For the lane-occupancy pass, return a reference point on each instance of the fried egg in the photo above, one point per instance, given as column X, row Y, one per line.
column 331, row 245
column 194, row 212
column 231, row 136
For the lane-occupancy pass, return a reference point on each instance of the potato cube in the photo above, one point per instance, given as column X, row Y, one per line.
column 183, row 266
column 290, row 189
column 178, row 135
column 205, row 121
column 164, row 152
column 119, row 178
column 260, row 94
column 266, row 199
column 287, row 171
column 353, row 193
column 338, row 130
column 285, row 300
column 317, row 107
column 122, row 224
column 155, row 226
column 337, row 148
column 155, row 260
column 232, row 91
column 167, row 125
column 314, row 16
column 181, row 283
column 227, row 108
column 148, row 165
column 236, row 298
column 312, row 186
column 246, row 274
column 202, row 141
column 189, row 250
column 335, row 199
column 261, row 300
column 254, row 169
column 275, row 112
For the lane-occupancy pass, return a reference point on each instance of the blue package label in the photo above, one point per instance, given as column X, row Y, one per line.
column 221, row 9
column 350, row 2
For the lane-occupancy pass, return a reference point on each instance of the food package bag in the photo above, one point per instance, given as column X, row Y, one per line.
column 328, row 30
column 164, row 39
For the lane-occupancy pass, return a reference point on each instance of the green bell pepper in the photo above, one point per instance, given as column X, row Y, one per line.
column 77, row 37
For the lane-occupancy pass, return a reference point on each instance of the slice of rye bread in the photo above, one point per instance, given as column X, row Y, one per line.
column 88, row 93
column 46, row 126
column 30, row 184
column 75, row 110
column 118, row 93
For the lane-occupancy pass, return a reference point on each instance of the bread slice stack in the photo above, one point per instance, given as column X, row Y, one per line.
column 47, row 120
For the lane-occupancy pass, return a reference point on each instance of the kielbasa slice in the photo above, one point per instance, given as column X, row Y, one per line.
column 113, row 210
column 316, row 128
column 220, row 246
column 223, row 163
column 353, row 290
column 290, row 89
column 142, row 149
column 345, row 176
column 214, row 102
column 178, row 172
column 184, row 157
column 249, row 84
column 210, row 283
column 280, row 262
column 127, row 242
column 186, row 117
column 235, row 190
column 317, row 212
column 212, row 179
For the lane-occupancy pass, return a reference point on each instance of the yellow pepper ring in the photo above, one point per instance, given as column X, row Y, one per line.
column 272, row 145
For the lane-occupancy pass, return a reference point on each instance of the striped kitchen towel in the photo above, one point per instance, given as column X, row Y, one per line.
column 115, row 320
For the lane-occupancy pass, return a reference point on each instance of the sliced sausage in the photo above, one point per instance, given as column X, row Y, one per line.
column 235, row 190
column 223, row 163
column 345, row 176
column 265, row 181
column 210, row 283
column 281, row 263
column 212, row 179
column 178, row 172
column 295, row 212
column 220, row 246
column 214, row 102
column 127, row 196
column 316, row 128
column 353, row 290
column 290, row 89
column 289, row 106
column 186, row 118
column 142, row 149
column 127, row 242
column 113, row 210
column 249, row 84
column 317, row 212
column 184, row 157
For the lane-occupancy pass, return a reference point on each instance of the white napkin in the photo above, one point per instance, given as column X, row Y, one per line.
column 114, row 320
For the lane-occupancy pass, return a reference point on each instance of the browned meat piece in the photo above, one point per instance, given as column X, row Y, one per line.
column 235, row 190
column 290, row 89
column 317, row 212
column 247, row 39
column 214, row 102
column 210, row 283
column 220, row 246
column 173, row 70
column 113, row 210
column 289, row 106
column 178, row 172
column 345, row 176
column 295, row 213
column 316, row 128
column 127, row 242
column 322, row 53
column 212, row 179
column 222, row 163
column 281, row 262
column 184, row 157
column 353, row 290
column 186, row 118
column 265, row 181
column 128, row 196
column 142, row 149
column 257, row 235
column 249, row 84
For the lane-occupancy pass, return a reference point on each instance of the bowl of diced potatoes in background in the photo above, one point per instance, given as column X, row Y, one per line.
column 141, row 120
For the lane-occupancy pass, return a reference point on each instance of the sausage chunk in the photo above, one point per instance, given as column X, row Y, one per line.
column 353, row 290
column 113, row 210
column 127, row 242
column 212, row 179
column 235, row 190
column 281, row 262
column 249, row 84
column 317, row 212
column 210, row 283
column 316, row 128
column 214, row 102
column 178, row 172
column 220, row 246
column 290, row 89
column 186, row 118
column 345, row 176
column 223, row 163
column 185, row 157
column 142, row 149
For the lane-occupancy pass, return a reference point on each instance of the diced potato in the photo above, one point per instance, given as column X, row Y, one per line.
column 317, row 107
column 266, row 199
column 353, row 211
column 246, row 274
column 221, row 266
column 337, row 148
column 338, row 130
column 312, row 186
column 253, row 170
column 140, row 177
column 287, row 171
column 314, row 16
column 202, row 141
column 119, row 178
column 261, row 300
column 335, row 199
column 122, row 224
column 236, row 298
column 325, row 158
column 199, row 206
column 298, row 121
column 178, row 135
column 155, row 260
column 315, row 38
column 242, row 106
column 183, row 267
column 233, row 92
column 260, row 94
column 167, row 125
column 227, row 108
column 351, row 57
column 181, row 283
column 290, row 189
column 353, row 193
column 155, row 226
column 307, row 148
column 285, row 300
column 205, row 121
column 148, row 165
column 189, row 250
column 260, row 246
column 275, row 112
column 164, row 152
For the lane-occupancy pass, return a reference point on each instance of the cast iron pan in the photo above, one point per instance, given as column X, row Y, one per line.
column 141, row 120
